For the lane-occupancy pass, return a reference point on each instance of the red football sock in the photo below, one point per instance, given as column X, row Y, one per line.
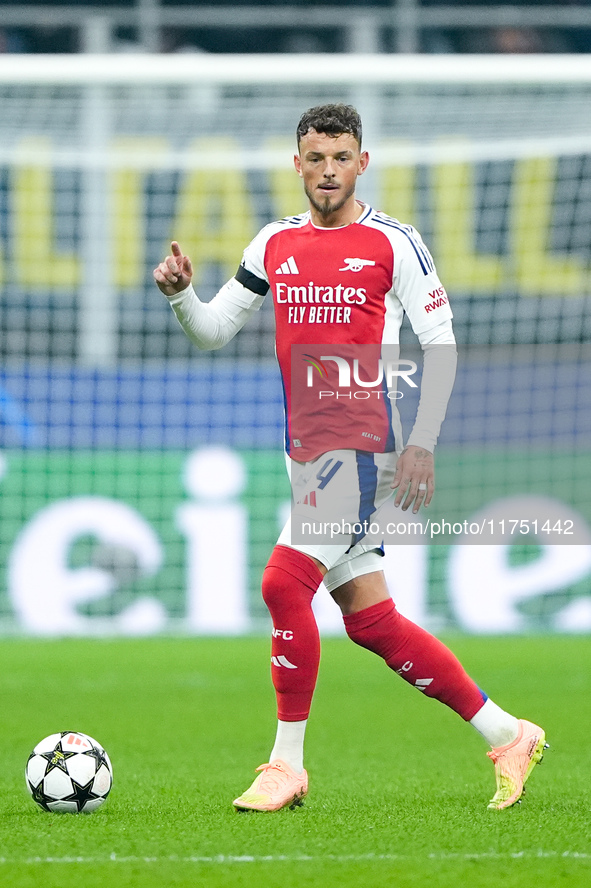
column 416, row 655
column 290, row 581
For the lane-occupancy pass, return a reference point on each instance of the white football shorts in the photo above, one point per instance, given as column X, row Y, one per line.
column 335, row 515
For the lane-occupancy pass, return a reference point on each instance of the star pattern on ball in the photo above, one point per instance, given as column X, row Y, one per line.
column 56, row 758
column 37, row 793
column 98, row 755
column 81, row 794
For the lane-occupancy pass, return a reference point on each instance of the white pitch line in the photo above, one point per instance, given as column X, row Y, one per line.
column 304, row 858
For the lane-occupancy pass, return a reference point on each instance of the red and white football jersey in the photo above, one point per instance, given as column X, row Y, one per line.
column 345, row 287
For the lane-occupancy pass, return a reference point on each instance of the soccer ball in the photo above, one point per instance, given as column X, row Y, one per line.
column 69, row 773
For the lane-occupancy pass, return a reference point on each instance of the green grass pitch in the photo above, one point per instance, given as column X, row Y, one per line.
column 399, row 785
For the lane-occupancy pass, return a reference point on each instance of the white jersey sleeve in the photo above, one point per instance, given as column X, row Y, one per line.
column 253, row 258
column 439, row 373
column 211, row 325
column 416, row 282
column 417, row 287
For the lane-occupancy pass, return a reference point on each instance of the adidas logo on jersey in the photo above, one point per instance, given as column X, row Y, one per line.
column 288, row 267
column 423, row 683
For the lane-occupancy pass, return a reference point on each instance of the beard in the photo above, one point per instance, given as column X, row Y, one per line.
column 325, row 207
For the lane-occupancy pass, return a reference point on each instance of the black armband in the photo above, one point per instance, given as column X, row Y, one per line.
column 251, row 281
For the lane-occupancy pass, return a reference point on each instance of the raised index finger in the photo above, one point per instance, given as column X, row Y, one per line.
column 176, row 250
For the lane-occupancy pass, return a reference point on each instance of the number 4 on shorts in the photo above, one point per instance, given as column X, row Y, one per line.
column 327, row 472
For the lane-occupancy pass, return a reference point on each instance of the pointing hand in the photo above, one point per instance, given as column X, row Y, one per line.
column 174, row 273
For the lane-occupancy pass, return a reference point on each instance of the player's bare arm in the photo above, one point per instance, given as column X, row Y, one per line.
column 174, row 273
column 414, row 478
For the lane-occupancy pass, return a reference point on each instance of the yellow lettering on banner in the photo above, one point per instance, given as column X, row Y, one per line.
column 32, row 206
column 458, row 263
column 397, row 188
column 128, row 207
column 537, row 271
column 287, row 190
column 214, row 220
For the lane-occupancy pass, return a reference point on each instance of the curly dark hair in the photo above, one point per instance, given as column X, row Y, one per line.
column 334, row 120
